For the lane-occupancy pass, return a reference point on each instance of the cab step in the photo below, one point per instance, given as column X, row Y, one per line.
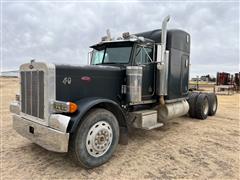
column 146, row 119
column 154, row 126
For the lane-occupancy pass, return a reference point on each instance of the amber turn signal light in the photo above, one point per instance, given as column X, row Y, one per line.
column 72, row 107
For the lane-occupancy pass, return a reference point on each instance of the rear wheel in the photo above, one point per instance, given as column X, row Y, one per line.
column 192, row 104
column 96, row 139
column 202, row 106
column 213, row 104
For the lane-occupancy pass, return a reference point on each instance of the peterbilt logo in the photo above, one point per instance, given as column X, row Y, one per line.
column 67, row 80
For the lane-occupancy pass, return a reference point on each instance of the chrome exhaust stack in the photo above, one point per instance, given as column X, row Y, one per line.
column 164, row 37
column 162, row 60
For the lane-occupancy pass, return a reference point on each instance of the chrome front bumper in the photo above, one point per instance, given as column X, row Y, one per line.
column 48, row 138
column 53, row 137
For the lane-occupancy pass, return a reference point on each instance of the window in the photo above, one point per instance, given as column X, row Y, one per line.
column 97, row 56
column 144, row 55
column 112, row 55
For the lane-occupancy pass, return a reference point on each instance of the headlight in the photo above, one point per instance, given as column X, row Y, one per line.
column 61, row 106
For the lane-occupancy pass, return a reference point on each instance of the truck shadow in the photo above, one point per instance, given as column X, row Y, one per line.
column 44, row 160
column 161, row 132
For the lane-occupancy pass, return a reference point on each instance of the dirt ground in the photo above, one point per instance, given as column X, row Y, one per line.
column 184, row 148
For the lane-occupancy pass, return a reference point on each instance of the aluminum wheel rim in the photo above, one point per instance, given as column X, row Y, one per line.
column 99, row 139
column 206, row 107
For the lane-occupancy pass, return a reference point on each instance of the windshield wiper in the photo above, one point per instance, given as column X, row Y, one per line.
column 110, row 63
column 107, row 63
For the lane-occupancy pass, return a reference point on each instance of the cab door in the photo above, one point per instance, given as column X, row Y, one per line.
column 144, row 58
column 184, row 75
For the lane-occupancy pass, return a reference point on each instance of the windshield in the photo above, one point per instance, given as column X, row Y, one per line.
column 111, row 55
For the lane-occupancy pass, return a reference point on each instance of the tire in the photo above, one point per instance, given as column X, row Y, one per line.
column 95, row 139
column 192, row 104
column 213, row 104
column 202, row 106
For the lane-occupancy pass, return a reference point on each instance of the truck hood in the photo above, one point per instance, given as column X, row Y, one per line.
column 76, row 82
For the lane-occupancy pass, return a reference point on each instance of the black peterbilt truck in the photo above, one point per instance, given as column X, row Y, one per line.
column 136, row 81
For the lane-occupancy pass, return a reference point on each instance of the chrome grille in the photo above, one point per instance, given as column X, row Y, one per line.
column 32, row 93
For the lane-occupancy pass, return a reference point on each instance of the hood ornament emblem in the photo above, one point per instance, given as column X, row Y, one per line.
column 31, row 61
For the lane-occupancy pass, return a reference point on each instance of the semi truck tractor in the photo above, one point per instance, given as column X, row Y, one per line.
column 134, row 81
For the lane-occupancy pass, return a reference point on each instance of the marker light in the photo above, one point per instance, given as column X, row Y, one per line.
column 17, row 97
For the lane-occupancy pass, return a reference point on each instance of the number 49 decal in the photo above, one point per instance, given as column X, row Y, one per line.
column 67, row 80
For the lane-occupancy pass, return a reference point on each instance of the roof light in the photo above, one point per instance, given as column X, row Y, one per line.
column 126, row 35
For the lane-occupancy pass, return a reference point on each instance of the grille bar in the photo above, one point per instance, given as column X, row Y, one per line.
column 32, row 93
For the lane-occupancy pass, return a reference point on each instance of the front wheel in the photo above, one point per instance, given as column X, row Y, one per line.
column 96, row 139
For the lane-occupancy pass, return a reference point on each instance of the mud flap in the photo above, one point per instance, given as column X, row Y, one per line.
column 123, row 139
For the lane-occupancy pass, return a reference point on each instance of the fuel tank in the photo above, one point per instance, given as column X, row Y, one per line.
column 76, row 82
column 172, row 110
